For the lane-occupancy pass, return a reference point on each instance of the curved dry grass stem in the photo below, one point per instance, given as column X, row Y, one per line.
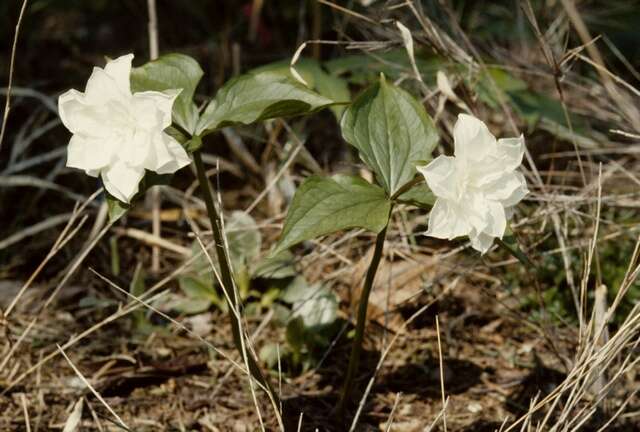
column 7, row 104
column 93, row 390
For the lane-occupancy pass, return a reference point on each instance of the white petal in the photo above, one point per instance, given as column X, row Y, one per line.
column 510, row 151
column 79, row 116
column 122, row 181
column 472, row 139
column 120, row 70
column 440, row 175
column 153, row 109
column 137, row 150
column 445, row 222
column 496, row 219
column 102, row 88
column 473, row 207
column 88, row 154
column 178, row 156
column 481, row 242
column 518, row 193
column 508, row 188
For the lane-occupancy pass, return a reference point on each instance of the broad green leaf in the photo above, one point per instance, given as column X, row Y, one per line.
column 298, row 290
column 195, row 287
column 391, row 131
column 361, row 69
column 307, row 68
column 328, row 85
column 320, row 309
column 172, row 71
column 335, row 88
column 192, row 306
column 419, row 196
column 200, row 294
column 254, row 97
column 276, row 266
column 323, row 205
column 269, row 354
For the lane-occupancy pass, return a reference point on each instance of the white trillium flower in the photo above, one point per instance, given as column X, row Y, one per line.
column 475, row 188
column 117, row 134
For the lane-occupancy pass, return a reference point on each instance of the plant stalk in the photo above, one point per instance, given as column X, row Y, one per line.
column 356, row 349
column 227, row 278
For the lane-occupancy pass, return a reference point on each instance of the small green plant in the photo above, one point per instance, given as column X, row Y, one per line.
column 309, row 314
column 394, row 137
column 134, row 127
column 259, row 280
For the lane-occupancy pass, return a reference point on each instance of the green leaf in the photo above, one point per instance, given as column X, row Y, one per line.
column 137, row 288
column 192, row 306
column 137, row 285
column 419, row 196
column 319, row 310
column 269, row 354
column 254, row 97
column 295, row 335
column 116, row 208
column 201, row 294
column 298, row 290
column 324, row 205
column 328, row 85
column 195, row 287
column 361, row 69
column 172, row 71
column 335, row 88
column 391, row 131
column 277, row 266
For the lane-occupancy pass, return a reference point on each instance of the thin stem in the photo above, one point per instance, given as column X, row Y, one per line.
column 406, row 187
column 227, row 277
column 356, row 349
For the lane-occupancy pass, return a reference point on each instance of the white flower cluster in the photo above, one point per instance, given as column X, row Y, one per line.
column 118, row 134
column 476, row 187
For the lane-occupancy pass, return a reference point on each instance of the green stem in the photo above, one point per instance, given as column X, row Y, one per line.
column 356, row 349
column 406, row 187
column 227, row 278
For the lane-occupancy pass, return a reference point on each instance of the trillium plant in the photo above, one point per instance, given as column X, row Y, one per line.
column 134, row 127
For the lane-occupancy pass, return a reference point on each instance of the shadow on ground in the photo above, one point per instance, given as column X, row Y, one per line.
column 423, row 379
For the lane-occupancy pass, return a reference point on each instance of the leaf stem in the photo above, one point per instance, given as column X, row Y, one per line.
column 406, row 187
column 227, row 278
column 356, row 349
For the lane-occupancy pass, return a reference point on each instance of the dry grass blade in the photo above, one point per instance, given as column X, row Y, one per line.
column 7, row 104
column 25, row 410
column 444, row 411
column 396, row 401
column 75, row 418
column 93, row 390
